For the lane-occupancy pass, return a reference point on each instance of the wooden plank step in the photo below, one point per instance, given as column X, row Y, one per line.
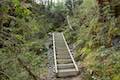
column 62, row 52
column 63, row 56
column 60, row 44
column 67, row 73
column 58, row 38
column 64, row 61
column 66, row 66
column 58, row 48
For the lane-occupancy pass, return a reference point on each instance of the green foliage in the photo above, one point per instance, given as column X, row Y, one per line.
column 16, row 2
column 23, row 32
column 22, row 11
column 24, row 29
column 93, row 42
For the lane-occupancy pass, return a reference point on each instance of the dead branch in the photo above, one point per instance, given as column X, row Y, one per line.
column 27, row 69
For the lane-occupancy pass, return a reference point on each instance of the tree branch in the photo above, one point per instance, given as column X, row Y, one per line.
column 7, row 76
column 27, row 69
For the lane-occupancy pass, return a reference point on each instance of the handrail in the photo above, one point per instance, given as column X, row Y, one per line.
column 54, row 53
column 70, row 53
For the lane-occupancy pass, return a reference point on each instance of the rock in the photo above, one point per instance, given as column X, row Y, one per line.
column 116, row 41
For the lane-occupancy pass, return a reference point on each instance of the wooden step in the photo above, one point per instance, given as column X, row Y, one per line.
column 62, row 52
column 58, row 38
column 64, row 61
column 61, row 47
column 67, row 72
column 63, row 56
column 66, row 66
column 58, row 52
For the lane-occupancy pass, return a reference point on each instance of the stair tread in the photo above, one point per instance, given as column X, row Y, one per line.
column 63, row 50
column 64, row 59
column 60, row 61
column 65, row 65
column 67, row 70
column 69, row 64
column 62, row 53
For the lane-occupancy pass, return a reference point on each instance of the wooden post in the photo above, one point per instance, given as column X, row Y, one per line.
column 69, row 23
column 55, row 61
column 76, row 67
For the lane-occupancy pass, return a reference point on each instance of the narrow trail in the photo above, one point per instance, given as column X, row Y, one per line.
column 64, row 63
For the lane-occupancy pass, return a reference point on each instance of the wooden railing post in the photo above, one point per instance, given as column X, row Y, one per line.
column 76, row 67
column 56, row 71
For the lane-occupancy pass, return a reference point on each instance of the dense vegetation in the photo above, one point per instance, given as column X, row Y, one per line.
column 23, row 32
column 94, row 32
column 96, row 41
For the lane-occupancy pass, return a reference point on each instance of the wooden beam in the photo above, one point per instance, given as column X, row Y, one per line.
column 76, row 67
column 69, row 22
column 54, row 50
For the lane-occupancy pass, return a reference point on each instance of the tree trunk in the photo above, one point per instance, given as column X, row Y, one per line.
column 104, row 5
column 51, row 2
column 72, row 2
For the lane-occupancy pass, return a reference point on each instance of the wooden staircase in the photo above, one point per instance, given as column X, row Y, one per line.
column 64, row 62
